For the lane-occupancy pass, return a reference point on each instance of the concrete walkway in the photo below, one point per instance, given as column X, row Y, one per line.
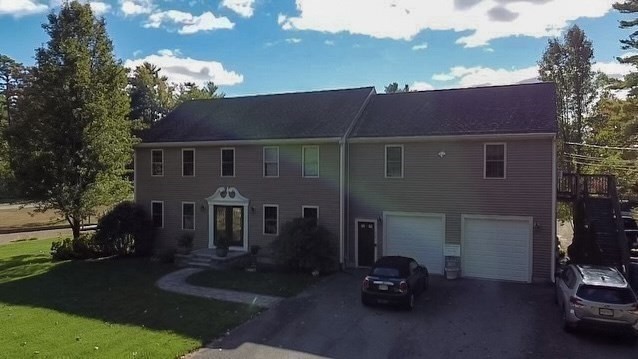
column 176, row 282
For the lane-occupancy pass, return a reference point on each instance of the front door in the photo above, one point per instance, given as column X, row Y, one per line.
column 366, row 243
column 229, row 224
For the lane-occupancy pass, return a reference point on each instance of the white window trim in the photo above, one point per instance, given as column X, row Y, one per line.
column 385, row 169
column 303, row 208
column 194, row 209
column 485, row 160
column 264, row 161
column 263, row 218
column 303, row 161
column 162, row 152
column 221, row 161
column 153, row 214
column 188, row 149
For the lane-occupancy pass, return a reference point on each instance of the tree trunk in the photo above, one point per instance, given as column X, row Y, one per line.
column 75, row 226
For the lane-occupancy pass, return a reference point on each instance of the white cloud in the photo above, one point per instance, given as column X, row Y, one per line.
column 185, row 69
column 329, row 42
column 136, row 7
column 99, row 8
column 188, row 23
column 19, row 8
column 403, row 19
column 293, row 40
column 421, row 86
column 422, row 46
column 485, row 76
column 244, row 8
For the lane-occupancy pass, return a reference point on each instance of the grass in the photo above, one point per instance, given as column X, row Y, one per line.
column 272, row 283
column 18, row 218
column 100, row 309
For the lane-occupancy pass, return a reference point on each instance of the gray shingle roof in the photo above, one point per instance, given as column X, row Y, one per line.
column 527, row 108
column 319, row 114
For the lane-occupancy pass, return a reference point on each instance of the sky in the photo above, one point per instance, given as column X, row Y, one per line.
column 271, row 46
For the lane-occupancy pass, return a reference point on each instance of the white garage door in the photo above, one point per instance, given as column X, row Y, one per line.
column 496, row 248
column 416, row 235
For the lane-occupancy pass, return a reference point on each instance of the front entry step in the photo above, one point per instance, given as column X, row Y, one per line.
column 207, row 258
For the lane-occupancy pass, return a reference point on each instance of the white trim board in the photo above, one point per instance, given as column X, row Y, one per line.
column 272, row 141
column 482, row 137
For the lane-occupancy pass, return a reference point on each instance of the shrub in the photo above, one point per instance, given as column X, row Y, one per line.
column 185, row 243
column 126, row 230
column 304, row 246
column 84, row 247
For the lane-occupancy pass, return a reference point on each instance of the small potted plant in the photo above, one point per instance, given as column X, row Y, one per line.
column 185, row 243
column 221, row 247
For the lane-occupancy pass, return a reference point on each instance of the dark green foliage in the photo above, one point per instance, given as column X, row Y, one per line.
column 631, row 43
column 74, row 113
column 151, row 95
column 304, row 246
column 189, row 91
column 394, row 88
column 126, row 230
column 83, row 247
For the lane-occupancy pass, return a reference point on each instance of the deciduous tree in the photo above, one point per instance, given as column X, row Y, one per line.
column 71, row 139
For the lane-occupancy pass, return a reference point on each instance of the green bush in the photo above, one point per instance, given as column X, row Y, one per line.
column 84, row 247
column 304, row 246
column 126, row 230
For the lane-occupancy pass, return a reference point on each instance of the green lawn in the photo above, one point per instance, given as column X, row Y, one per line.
column 100, row 309
column 277, row 284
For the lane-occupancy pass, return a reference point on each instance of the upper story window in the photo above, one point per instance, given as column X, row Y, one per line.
column 495, row 157
column 228, row 162
column 157, row 162
column 310, row 212
column 394, row 161
column 310, row 164
column 188, row 162
column 271, row 161
column 157, row 213
column 188, row 215
column 271, row 219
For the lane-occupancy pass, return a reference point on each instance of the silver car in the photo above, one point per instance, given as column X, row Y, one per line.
column 596, row 297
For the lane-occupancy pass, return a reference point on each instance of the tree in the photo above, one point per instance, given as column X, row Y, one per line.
column 394, row 88
column 189, row 91
column 631, row 79
column 567, row 63
column 74, row 115
column 151, row 95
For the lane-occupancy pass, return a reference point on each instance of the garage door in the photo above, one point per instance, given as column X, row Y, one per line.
column 496, row 248
column 416, row 235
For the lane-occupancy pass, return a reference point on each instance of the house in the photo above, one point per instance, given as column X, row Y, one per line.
column 462, row 173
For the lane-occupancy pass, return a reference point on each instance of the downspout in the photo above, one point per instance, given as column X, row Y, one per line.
column 554, row 184
column 344, row 195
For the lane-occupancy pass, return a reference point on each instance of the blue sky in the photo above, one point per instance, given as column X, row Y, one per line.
column 268, row 46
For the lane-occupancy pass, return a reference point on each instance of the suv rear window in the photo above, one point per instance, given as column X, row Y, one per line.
column 385, row 272
column 606, row 294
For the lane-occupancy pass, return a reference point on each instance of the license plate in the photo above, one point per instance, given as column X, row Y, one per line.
column 606, row 312
column 383, row 287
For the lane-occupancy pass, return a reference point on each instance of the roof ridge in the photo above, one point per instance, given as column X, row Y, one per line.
column 369, row 88
column 480, row 87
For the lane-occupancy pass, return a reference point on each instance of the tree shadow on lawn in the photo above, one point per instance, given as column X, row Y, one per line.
column 118, row 291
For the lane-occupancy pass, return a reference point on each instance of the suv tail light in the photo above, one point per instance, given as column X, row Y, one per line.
column 576, row 302
column 366, row 283
column 403, row 287
column 634, row 309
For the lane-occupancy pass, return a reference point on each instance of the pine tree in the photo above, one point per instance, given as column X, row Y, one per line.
column 71, row 139
column 631, row 43
column 151, row 95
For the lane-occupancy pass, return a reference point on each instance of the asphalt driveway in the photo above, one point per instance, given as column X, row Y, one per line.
column 454, row 319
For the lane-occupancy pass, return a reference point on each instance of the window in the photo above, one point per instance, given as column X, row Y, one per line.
column 310, row 161
column 228, row 162
column 271, row 161
column 394, row 161
column 188, row 215
column 271, row 214
column 157, row 213
column 157, row 162
column 188, row 162
column 494, row 160
column 310, row 212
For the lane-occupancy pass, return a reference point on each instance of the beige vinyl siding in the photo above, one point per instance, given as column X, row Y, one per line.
column 454, row 185
column 289, row 191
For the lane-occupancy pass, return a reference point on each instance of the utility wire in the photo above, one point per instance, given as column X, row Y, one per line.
column 603, row 147
column 599, row 159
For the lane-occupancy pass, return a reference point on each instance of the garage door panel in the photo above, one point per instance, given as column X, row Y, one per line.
column 496, row 248
column 416, row 236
